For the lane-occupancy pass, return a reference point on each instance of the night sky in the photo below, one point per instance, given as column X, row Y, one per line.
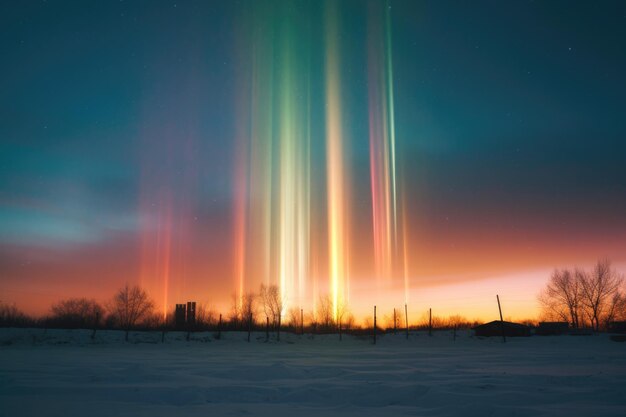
column 201, row 148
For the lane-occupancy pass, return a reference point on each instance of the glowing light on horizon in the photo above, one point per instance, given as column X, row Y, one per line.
column 242, row 184
column 405, row 254
column 273, row 207
column 336, row 184
column 164, row 253
column 382, row 142
column 272, row 202
column 157, row 237
column 239, row 249
column 294, row 182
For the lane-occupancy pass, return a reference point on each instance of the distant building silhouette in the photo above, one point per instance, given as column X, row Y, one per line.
column 191, row 312
column 185, row 315
column 497, row 327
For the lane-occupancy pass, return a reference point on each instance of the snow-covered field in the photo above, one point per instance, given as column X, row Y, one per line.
column 65, row 373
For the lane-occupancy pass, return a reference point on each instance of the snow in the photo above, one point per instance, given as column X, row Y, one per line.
column 66, row 373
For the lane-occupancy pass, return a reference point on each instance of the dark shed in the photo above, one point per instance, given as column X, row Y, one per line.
column 495, row 328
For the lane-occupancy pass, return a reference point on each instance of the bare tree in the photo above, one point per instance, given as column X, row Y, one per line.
column 348, row 321
column 432, row 321
column 235, row 317
column 248, row 311
column 613, row 309
column 368, row 323
column 272, row 305
column 393, row 321
column 329, row 319
column 562, row 297
column 294, row 318
column 324, row 314
column 154, row 320
column 10, row 315
column 205, row 316
column 342, row 312
column 578, row 296
column 310, row 318
column 617, row 311
column 129, row 306
column 600, row 292
column 78, row 313
column 457, row 321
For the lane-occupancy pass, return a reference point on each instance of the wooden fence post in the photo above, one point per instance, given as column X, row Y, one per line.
column 430, row 322
column 267, row 328
column 249, row 326
column 406, row 319
column 340, row 329
column 374, row 324
column 394, row 321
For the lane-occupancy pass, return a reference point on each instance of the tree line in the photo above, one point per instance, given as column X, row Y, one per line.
column 585, row 298
column 132, row 308
column 592, row 298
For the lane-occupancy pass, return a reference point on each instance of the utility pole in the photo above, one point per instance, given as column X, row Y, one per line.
column 501, row 320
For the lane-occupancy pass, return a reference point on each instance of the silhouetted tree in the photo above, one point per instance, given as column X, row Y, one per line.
column 248, row 310
column 388, row 319
column 294, row 318
column 348, row 322
column 11, row 316
column 129, row 306
column 600, row 293
column 457, row 321
column 272, row 305
column 327, row 318
column 342, row 313
column 205, row 316
column 154, row 320
column 77, row 313
column 324, row 313
column 235, row 317
column 578, row 296
column 562, row 297
column 432, row 321
column 617, row 309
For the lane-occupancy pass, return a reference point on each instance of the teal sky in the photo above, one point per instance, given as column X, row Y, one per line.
column 510, row 122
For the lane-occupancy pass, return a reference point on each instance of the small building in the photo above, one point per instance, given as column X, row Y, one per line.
column 497, row 327
column 617, row 327
column 191, row 312
column 185, row 315
column 551, row 328
column 180, row 315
